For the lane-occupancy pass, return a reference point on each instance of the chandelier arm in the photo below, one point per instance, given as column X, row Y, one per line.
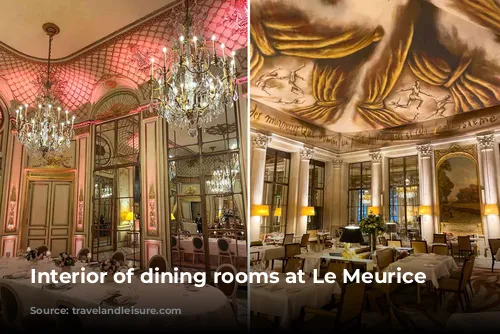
column 48, row 63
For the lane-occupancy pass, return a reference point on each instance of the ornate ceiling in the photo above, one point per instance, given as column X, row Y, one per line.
column 354, row 74
column 119, row 62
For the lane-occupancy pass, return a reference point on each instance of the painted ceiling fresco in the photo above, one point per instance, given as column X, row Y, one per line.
column 355, row 74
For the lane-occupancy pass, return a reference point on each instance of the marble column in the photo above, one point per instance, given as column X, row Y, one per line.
column 486, row 144
column 376, row 158
column 336, row 186
column 259, row 146
column 426, row 191
column 306, row 154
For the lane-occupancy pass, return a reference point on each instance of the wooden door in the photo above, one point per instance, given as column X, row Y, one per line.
column 49, row 216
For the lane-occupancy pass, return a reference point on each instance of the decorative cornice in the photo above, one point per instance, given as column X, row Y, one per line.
column 486, row 142
column 306, row 153
column 337, row 162
column 425, row 150
column 261, row 141
column 376, row 157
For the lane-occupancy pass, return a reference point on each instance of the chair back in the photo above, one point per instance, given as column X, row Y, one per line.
column 419, row 246
column 304, row 241
column 43, row 249
column 82, row 254
column 256, row 243
column 464, row 243
column 394, row 243
column 292, row 249
column 160, row 262
column 440, row 249
column 466, row 273
column 439, row 239
column 229, row 289
column 384, row 258
column 118, row 256
column 198, row 243
column 223, row 245
column 293, row 265
column 288, row 239
column 69, row 322
column 351, row 300
column 494, row 246
column 382, row 241
column 338, row 269
column 12, row 307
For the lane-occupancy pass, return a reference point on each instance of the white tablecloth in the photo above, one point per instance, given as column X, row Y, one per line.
column 433, row 266
column 206, row 307
column 269, row 252
column 187, row 245
column 286, row 300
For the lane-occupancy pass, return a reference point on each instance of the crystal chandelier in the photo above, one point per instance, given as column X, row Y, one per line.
column 45, row 134
column 224, row 176
column 199, row 85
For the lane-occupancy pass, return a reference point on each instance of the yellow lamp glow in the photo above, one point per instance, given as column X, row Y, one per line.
column 277, row 212
column 172, row 217
column 424, row 210
column 259, row 210
column 374, row 210
column 130, row 216
column 307, row 211
column 490, row 209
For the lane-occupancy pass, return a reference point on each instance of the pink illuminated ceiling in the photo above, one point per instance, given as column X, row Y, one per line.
column 124, row 54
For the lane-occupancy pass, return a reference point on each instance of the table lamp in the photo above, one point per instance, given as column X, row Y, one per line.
column 490, row 209
column 352, row 235
column 391, row 228
column 259, row 210
column 130, row 217
column 307, row 211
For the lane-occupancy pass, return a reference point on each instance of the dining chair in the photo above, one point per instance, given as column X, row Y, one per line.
column 293, row 265
column 290, row 251
column 160, row 262
column 440, row 249
column 82, row 254
column 457, row 272
column 464, row 246
column 419, row 246
column 349, row 313
column 439, row 238
column 395, row 243
column 224, row 252
column 176, row 248
column 254, row 259
column 42, row 249
column 288, row 239
column 12, row 306
column 118, row 256
column 384, row 258
column 198, row 247
column 458, row 286
column 229, row 289
column 304, row 242
column 338, row 269
column 382, row 241
column 69, row 321
column 494, row 247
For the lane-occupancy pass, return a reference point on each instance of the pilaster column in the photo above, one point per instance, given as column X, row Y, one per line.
column 486, row 154
column 306, row 154
column 425, row 180
column 259, row 147
column 376, row 158
column 336, row 187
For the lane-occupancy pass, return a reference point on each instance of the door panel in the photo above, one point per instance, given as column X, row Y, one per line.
column 38, row 214
column 61, row 203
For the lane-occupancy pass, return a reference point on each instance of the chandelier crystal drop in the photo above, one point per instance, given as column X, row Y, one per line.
column 199, row 84
column 45, row 130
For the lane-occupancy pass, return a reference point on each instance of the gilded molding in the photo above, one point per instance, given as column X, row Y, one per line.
column 486, row 142
column 455, row 149
column 376, row 156
column 79, row 224
column 307, row 153
column 337, row 162
column 152, row 209
column 11, row 221
column 261, row 141
column 424, row 150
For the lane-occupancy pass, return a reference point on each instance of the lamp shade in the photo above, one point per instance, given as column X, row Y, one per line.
column 130, row 216
column 260, row 210
column 374, row 210
column 391, row 227
column 352, row 234
column 277, row 212
column 491, row 209
column 307, row 211
column 424, row 210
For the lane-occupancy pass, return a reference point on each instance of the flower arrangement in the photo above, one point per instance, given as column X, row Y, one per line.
column 372, row 224
column 348, row 253
column 111, row 266
column 33, row 255
column 64, row 260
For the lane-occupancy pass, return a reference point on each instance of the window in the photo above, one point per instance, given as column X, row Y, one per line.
column 276, row 177
column 316, row 194
column 360, row 182
column 404, row 194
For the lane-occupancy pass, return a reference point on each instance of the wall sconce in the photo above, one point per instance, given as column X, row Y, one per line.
column 277, row 212
column 259, row 210
column 424, row 210
column 172, row 217
column 490, row 209
column 374, row 210
column 307, row 211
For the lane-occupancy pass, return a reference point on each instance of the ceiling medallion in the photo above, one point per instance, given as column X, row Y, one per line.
column 198, row 86
column 45, row 134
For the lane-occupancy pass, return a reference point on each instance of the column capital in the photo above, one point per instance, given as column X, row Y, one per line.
column 425, row 150
column 486, row 141
column 306, row 153
column 337, row 162
column 261, row 141
column 376, row 156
